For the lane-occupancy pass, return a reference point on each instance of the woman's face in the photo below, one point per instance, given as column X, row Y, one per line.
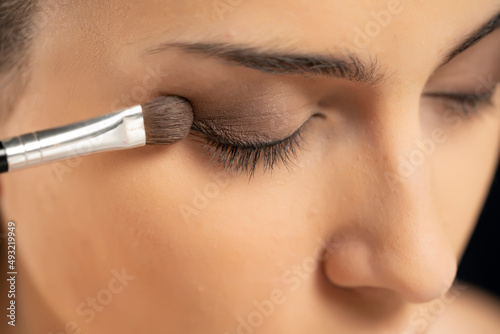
column 345, row 232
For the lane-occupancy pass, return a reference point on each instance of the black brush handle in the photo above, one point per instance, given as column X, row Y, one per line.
column 4, row 165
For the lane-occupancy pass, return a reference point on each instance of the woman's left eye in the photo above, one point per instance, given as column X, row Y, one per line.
column 244, row 157
column 467, row 103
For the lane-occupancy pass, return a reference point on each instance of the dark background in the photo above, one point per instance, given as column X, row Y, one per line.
column 481, row 263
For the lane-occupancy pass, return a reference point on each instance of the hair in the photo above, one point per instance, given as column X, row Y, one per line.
column 17, row 30
column 16, row 33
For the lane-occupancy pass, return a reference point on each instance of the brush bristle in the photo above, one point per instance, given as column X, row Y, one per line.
column 167, row 120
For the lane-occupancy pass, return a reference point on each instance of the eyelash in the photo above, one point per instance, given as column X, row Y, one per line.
column 245, row 158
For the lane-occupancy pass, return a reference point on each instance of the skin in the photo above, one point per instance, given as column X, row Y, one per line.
column 341, row 242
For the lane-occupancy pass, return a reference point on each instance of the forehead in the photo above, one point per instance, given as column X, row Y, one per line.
column 411, row 36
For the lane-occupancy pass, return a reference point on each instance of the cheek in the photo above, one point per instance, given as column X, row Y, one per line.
column 52, row 216
column 193, row 228
column 464, row 165
column 178, row 225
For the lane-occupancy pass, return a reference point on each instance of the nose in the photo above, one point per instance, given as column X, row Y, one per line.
column 390, row 236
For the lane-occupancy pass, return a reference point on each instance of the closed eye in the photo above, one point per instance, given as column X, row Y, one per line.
column 244, row 156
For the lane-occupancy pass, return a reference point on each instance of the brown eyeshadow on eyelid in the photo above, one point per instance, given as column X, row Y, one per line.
column 266, row 117
column 247, row 130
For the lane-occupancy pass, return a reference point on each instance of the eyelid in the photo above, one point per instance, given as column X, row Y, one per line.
column 457, row 96
column 468, row 103
column 231, row 139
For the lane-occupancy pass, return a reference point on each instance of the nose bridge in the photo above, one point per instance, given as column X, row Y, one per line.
column 398, row 174
column 415, row 254
column 396, row 241
column 411, row 251
column 401, row 172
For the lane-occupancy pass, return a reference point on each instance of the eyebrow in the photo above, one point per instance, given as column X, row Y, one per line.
column 473, row 38
column 349, row 67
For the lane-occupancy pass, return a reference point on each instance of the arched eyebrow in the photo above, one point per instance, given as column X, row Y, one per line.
column 473, row 38
column 348, row 66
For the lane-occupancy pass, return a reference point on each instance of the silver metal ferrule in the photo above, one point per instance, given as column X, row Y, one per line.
column 120, row 130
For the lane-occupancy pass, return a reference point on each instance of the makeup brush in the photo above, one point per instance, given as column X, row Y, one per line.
column 162, row 121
